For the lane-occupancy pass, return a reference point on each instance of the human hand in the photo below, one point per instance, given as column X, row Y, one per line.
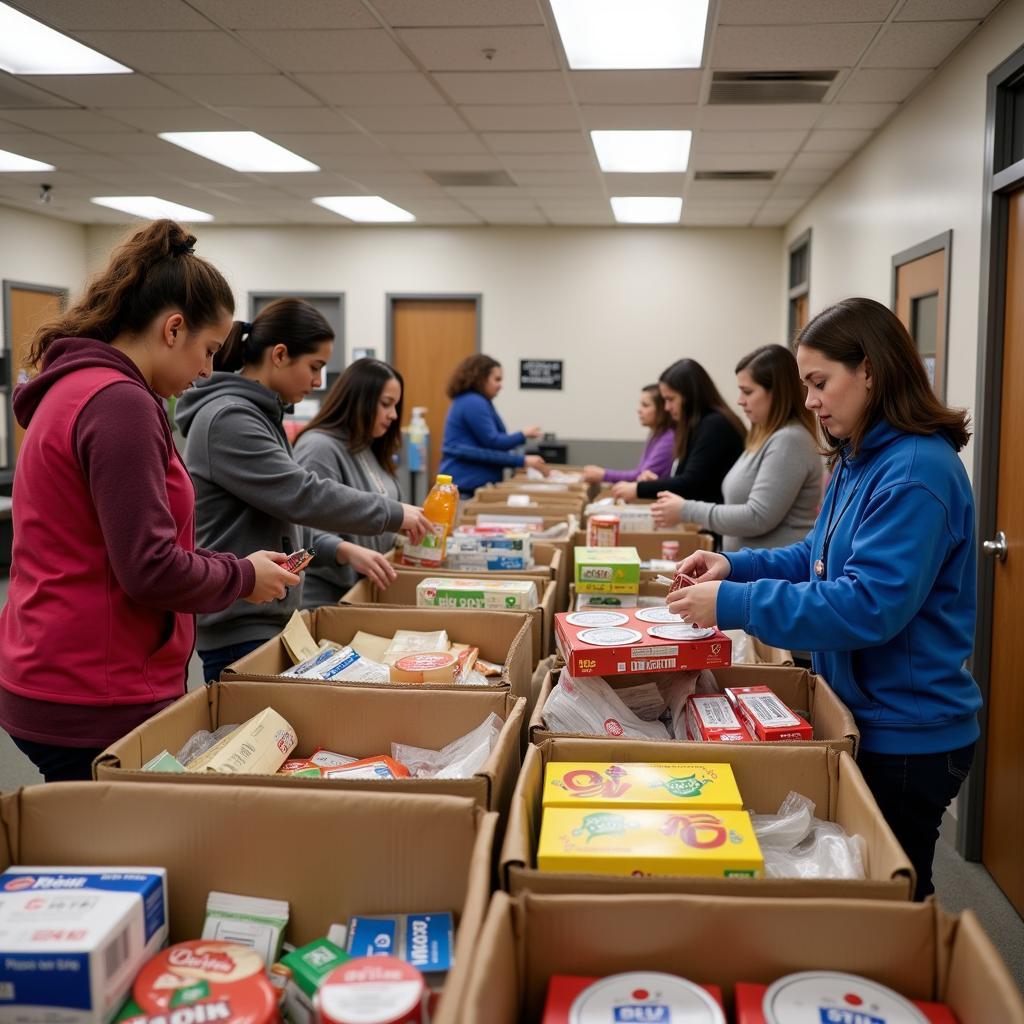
column 536, row 462
column 624, row 491
column 697, row 604
column 371, row 564
column 415, row 525
column 532, row 432
column 668, row 509
column 593, row 474
column 705, row 566
column 647, row 474
column 272, row 582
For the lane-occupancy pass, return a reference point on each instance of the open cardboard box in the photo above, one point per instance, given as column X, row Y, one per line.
column 829, row 778
column 918, row 949
column 402, row 591
column 648, row 545
column 806, row 693
column 548, row 564
column 358, row 721
column 330, row 855
column 503, row 638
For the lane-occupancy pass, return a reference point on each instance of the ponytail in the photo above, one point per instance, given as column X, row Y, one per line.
column 293, row 323
column 153, row 271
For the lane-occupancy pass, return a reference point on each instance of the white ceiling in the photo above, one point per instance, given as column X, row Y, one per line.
column 380, row 92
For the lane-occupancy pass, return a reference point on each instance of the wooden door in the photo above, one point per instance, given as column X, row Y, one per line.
column 429, row 338
column 1003, row 831
column 921, row 305
column 27, row 308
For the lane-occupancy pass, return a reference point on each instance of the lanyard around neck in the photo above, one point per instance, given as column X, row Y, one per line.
column 821, row 565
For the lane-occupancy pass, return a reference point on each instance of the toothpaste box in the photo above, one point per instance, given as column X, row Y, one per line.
column 710, row 718
column 423, row 940
column 622, row 841
column 765, row 716
column 607, row 570
column 640, row 785
column 72, row 939
column 491, row 595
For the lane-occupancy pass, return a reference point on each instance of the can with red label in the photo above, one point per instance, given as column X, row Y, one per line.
column 670, row 550
column 814, row 996
column 603, row 531
column 372, row 990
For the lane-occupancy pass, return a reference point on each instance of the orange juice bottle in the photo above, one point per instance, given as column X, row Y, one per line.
column 440, row 508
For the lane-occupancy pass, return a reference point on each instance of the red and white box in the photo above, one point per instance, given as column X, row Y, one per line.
column 625, row 642
column 749, row 1003
column 710, row 718
column 637, row 999
column 767, row 717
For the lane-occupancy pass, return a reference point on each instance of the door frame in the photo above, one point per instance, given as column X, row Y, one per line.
column 390, row 298
column 7, row 368
column 272, row 293
column 998, row 184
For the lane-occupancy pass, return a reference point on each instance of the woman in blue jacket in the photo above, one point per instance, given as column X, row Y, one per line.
column 476, row 447
column 883, row 587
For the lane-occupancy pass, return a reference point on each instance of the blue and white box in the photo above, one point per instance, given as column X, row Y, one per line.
column 422, row 940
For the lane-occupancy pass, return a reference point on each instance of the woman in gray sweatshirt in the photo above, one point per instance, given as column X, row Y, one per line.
column 354, row 439
column 772, row 493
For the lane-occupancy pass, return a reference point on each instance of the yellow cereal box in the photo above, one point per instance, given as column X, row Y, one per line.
column 641, row 784
column 610, row 841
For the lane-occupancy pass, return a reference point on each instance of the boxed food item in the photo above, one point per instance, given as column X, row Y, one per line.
column 766, row 717
column 492, row 594
column 423, row 940
column 635, row 843
column 639, row 784
column 632, row 518
column 636, row 996
column 607, row 570
column 477, row 549
column 309, row 965
column 710, row 718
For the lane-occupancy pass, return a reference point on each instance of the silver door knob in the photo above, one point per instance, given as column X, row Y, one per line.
column 996, row 548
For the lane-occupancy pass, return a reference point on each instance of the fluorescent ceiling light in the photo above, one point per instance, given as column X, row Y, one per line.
column 14, row 162
column 28, row 47
column 372, row 209
column 602, row 34
column 642, row 151
column 647, row 209
column 241, row 151
column 151, row 208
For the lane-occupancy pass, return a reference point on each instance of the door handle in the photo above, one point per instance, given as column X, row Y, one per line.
column 996, row 548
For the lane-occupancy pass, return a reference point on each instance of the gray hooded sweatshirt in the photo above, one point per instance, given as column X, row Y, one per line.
column 251, row 493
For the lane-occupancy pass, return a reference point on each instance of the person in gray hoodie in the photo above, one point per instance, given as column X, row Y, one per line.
column 249, row 488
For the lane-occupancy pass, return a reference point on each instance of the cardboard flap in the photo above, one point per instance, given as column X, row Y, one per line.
column 10, row 804
column 523, row 830
column 977, row 987
column 496, row 998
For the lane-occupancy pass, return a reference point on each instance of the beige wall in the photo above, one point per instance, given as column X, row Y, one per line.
column 616, row 305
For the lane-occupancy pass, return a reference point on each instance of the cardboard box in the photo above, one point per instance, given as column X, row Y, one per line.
column 330, row 855
column 803, row 691
column 916, row 948
column 765, row 775
column 606, row 570
column 402, row 593
column 648, row 545
column 358, row 721
column 639, row 652
column 502, row 637
column 547, row 564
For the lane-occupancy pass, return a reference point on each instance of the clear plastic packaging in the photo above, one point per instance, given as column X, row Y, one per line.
column 200, row 742
column 590, row 707
column 460, row 759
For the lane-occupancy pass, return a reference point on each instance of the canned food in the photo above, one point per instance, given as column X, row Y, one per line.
column 814, row 996
column 645, row 996
column 603, row 531
column 372, row 990
column 670, row 550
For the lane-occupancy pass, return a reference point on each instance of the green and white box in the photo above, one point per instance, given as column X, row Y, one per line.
column 489, row 595
column 607, row 571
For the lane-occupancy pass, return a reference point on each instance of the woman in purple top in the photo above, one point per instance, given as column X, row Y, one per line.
column 658, row 452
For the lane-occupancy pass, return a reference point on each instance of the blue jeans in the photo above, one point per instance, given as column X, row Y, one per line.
column 217, row 659
column 59, row 764
column 913, row 791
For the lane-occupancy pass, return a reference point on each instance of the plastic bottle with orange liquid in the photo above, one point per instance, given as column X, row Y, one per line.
column 440, row 508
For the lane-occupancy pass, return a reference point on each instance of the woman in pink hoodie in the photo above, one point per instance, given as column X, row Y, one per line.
column 105, row 576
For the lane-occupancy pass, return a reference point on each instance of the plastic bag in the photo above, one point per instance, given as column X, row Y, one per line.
column 748, row 650
column 795, row 844
column 590, row 707
column 460, row 759
column 200, row 742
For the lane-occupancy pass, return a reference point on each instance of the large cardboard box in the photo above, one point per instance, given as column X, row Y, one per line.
column 764, row 776
column 358, row 721
column 917, row 949
column 504, row 638
column 805, row 693
column 330, row 855
column 402, row 592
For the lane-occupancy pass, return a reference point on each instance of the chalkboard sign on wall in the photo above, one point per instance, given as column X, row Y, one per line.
column 541, row 373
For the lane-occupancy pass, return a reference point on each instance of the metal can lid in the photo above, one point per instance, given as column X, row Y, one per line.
column 614, row 636
column 680, row 631
column 645, row 995
column 606, row 520
column 658, row 614
column 596, row 618
column 370, row 990
column 811, row 997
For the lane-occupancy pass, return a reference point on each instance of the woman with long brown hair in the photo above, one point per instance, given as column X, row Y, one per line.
column 657, row 456
column 883, row 588
column 354, row 440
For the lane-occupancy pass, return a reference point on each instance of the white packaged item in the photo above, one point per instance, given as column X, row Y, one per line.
column 342, row 664
column 72, row 939
column 632, row 518
column 477, row 594
column 247, row 921
column 460, row 759
column 257, row 747
column 590, row 707
column 410, row 641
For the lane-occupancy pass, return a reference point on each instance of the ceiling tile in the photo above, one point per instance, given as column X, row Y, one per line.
column 786, row 206
column 804, row 177
column 561, row 179
column 87, row 162
column 614, row 87
column 37, row 146
column 411, row 119
column 329, row 50
column 459, row 216
column 857, row 115
column 891, row 85
column 760, row 118
column 917, row 44
column 484, row 192
column 802, row 12
column 716, row 218
column 748, row 142
column 317, row 144
column 790, row 190
column 701, row 161
column 581, row 218
column 125, row 142
column 171, row 51
column 274, row 14
column 792, row 47
column 269, row 90
column 188, row 119
column 772, row 219
column 835, row 141
column 434, row 142
column 430, row 162
column 819, row 161
column 289, row 119
column 945, row 10
column 537, row 142
column 735, row 190
column 115, row 14
column 379, row 162
column 714, row 205
column 462, row 49
column 640, row 116
column 587, row 192
column 512, row 217
column 406, row 13
column 549, row 162
column 523, row 119
column 374, row 89
column 107, row 90
column 16, row 93
column 644, row 184
column 504, row 86
column 61, row 121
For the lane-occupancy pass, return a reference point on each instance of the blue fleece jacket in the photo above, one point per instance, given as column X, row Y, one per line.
column 892, row 622
column 476, row 447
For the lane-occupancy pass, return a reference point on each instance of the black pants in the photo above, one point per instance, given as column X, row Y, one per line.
column 59, row 764
column 913, row 791
column 217, row 659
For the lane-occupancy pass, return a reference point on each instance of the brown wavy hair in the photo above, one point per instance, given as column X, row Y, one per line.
column 350, row 410
column 774, row 368
column 471, row 374
column 662, row 420
column 152, row 272
column 700, row 396
column 294, row 323
column 857, row 329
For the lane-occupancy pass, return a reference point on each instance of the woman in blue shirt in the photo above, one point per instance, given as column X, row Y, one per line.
column 883, row 587
column 476, row 447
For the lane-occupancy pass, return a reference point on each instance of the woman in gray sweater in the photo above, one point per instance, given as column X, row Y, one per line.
column 772, row 493
column 353, row 440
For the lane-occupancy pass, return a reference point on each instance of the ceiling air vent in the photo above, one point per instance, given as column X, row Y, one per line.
column 754, row 87
column 471, row 179
column 734, row 176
